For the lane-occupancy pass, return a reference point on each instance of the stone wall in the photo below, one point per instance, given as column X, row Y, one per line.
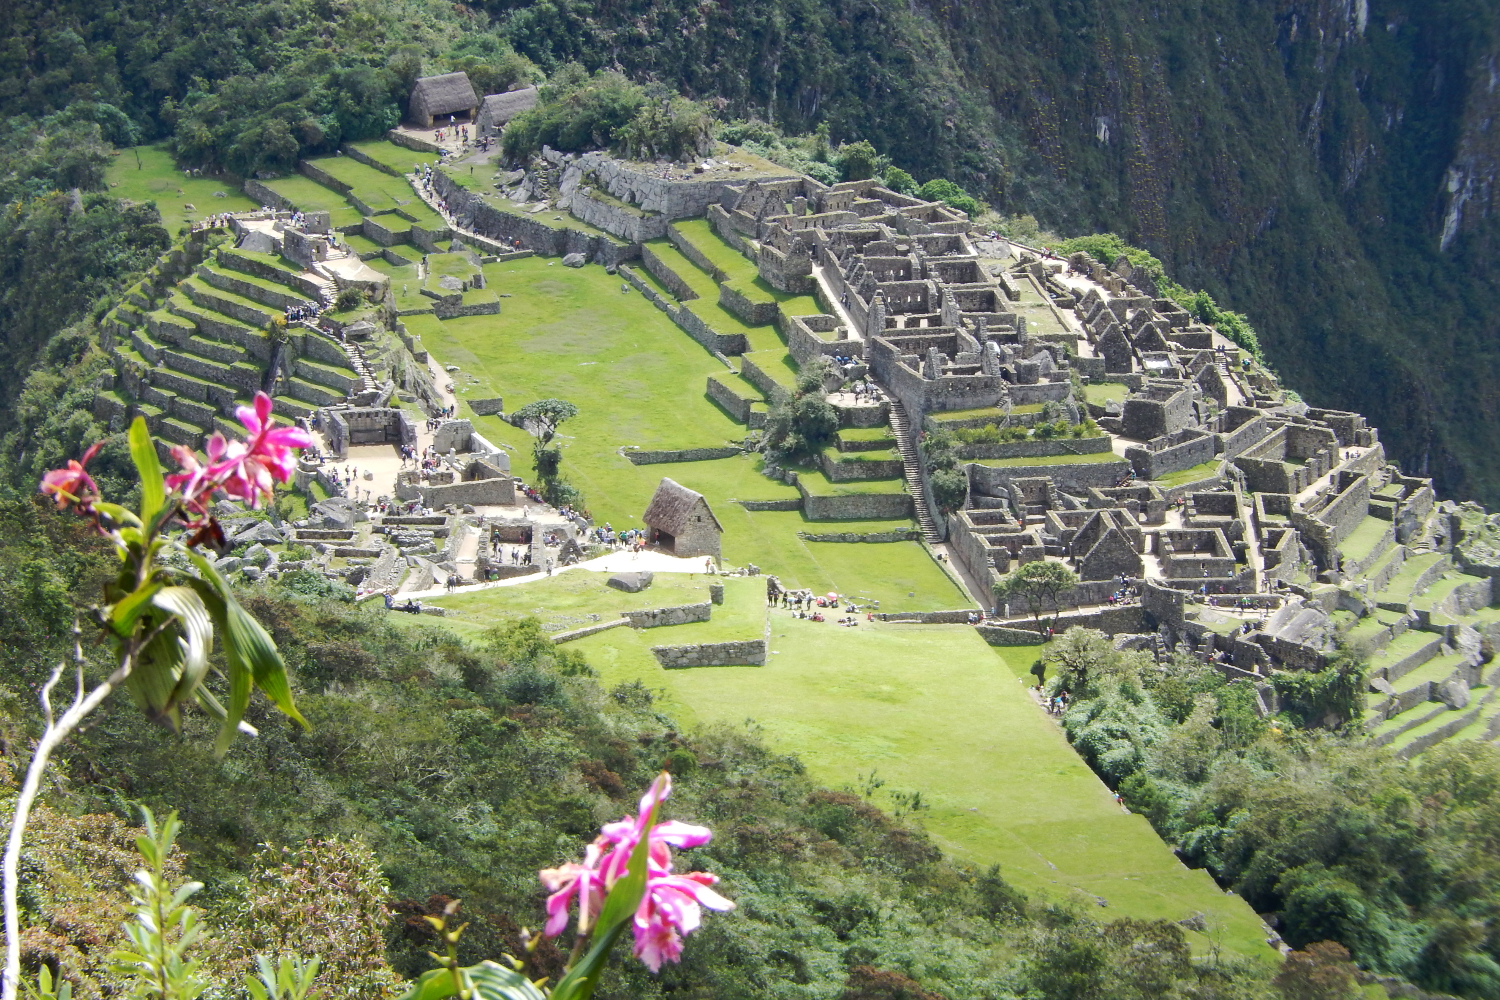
column 684, row 455
column 680, row 614
column 1035, row 448
column 897, row 535
column 619, row 220
column 490, row 221
column 992, row 482
column 746, row 653
column 669, row 278
column 959, row 617
column 754, row 313
column 692, row 253
column 843, row 467
column 855, row 506
column 782, row 505
column 1196, row 448
column 734, row 404
column 769, row 387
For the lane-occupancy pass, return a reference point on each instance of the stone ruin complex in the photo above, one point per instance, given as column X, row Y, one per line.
column 1203, row 508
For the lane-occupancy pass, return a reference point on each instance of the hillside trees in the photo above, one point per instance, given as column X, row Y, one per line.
column 1340, row 839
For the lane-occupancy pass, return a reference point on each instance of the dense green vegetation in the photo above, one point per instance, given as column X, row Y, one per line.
column 1337, row 838
column 461, row 768
column 1306, row 177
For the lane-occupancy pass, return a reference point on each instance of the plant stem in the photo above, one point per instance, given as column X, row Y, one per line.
column 52, row 736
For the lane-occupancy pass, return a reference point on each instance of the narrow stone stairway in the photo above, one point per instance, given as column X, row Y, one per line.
column 911, row 459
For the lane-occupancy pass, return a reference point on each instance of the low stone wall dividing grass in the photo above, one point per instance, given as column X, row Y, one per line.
column 1035, row 448
column 740, row 653
column 895, row 535
column 685, row 455
column 679, row 614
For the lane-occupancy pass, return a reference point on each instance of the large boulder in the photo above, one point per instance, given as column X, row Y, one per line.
column 574, row 260
column 263, row 532
column 1454, row 694
column 630, row 583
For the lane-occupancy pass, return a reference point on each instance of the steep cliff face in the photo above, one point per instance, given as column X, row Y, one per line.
column 1326, row 166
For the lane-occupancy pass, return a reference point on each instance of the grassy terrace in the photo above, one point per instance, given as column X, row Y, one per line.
column 1004, row 785
column 820, row 485
column 740, row 273
column 310, row 196
column 1100, row 393
column 1192, row 475
column 865, row 434
column 398, row 158
column 375, row 188
column 989, row 413
column 780, row 366
column 706, row 305
column 147, row 173
column 1400, row 587
column 1363, row 539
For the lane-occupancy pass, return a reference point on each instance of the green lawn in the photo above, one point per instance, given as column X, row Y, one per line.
column 310, row 196
column 399, row 158
column 933, row 709
column 1362, row 540
column 1192, row 475
column 376, row 188
column 1100, row 393
column 147, row 173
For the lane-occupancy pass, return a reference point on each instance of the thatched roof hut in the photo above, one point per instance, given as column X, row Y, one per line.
column 449, row 94
column 682, row 522
column 497, row 109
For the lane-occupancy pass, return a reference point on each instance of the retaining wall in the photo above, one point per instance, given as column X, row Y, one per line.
column 680, row 614
column 745, row 653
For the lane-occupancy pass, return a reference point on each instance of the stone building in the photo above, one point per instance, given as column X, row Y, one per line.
column 498, row 109
column 681, row 522
column 440, row 96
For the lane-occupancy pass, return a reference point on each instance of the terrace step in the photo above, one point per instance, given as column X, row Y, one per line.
column 912, row 462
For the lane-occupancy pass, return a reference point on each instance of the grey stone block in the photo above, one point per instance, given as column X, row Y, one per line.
column 630, row 583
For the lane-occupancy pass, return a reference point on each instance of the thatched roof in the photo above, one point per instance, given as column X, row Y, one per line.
column 671, row 506
column 443, row 95
column 497, row 109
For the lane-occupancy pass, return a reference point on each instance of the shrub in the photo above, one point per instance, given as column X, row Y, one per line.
column 326, row 898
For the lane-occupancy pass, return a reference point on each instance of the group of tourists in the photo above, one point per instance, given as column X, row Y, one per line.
column 296, row 314
column 219, row 220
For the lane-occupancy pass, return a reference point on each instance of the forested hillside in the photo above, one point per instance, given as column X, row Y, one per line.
column 1324, row 166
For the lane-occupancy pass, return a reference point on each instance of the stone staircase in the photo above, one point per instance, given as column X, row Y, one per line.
column 912, row 461
column 361, row 368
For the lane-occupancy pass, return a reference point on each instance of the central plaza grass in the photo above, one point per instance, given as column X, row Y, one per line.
column 927, row 708
column 147, row 173
column 931, row 708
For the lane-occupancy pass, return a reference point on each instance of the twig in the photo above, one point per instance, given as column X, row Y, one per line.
column 53, row 735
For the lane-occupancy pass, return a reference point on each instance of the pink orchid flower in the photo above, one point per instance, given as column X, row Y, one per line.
column 195, row 482
column 251, row 468
column 672, row 905
column 73, row 485
column 582, row 880
column 670, row 910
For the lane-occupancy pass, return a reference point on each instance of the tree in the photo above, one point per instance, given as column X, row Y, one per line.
column 900, row 181
column 1322, row 972
column 858, row 160
column 547, row 415
column 1078, row 654
column 542, row 418
column 1038, row 584
column 798, row 428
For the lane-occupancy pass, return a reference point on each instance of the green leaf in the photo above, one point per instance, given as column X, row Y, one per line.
column 155, row 674
column 116, row 513
column 486, row 981
column 143, row 452
column 198, row 629
column 129, row 608
column 251, row 655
